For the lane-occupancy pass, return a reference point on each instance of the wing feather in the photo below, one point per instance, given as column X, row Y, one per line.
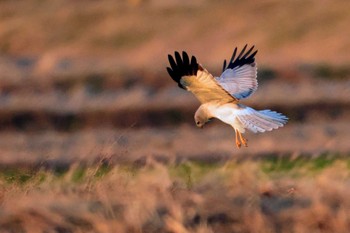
column 239, row 77
column 193, row 77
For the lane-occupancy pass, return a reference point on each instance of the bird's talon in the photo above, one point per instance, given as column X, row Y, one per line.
column 243, row 140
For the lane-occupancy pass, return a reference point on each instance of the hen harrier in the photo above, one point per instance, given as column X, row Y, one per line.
column 220, row 96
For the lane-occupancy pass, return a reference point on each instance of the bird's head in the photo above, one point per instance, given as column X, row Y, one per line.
column 201, row 117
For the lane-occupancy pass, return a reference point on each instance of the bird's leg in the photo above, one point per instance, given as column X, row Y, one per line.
column 238, row 143
column 243, row 140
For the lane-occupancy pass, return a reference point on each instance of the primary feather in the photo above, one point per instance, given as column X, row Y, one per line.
column 239, row 77
column 193, row 77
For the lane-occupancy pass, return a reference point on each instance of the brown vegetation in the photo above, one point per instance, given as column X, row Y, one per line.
column 233, row 197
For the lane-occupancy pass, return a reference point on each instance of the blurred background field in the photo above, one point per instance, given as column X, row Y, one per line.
column 85, row 81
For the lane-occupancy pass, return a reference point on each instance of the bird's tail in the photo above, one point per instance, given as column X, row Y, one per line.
column 261, row 121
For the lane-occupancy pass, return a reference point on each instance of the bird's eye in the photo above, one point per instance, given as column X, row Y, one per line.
column 197, row 122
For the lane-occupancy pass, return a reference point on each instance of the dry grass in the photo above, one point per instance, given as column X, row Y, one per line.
column 294, row 195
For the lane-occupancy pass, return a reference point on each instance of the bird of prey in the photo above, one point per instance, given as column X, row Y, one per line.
column 220, row 96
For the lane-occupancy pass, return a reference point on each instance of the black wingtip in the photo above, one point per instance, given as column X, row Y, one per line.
column 180, row 67
column 242, row 59
column 224, row 65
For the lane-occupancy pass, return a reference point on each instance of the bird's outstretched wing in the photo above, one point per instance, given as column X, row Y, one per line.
column 193, row 77
column 239, row 76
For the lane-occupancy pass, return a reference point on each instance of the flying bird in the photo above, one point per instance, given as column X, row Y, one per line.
column 220, row 96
